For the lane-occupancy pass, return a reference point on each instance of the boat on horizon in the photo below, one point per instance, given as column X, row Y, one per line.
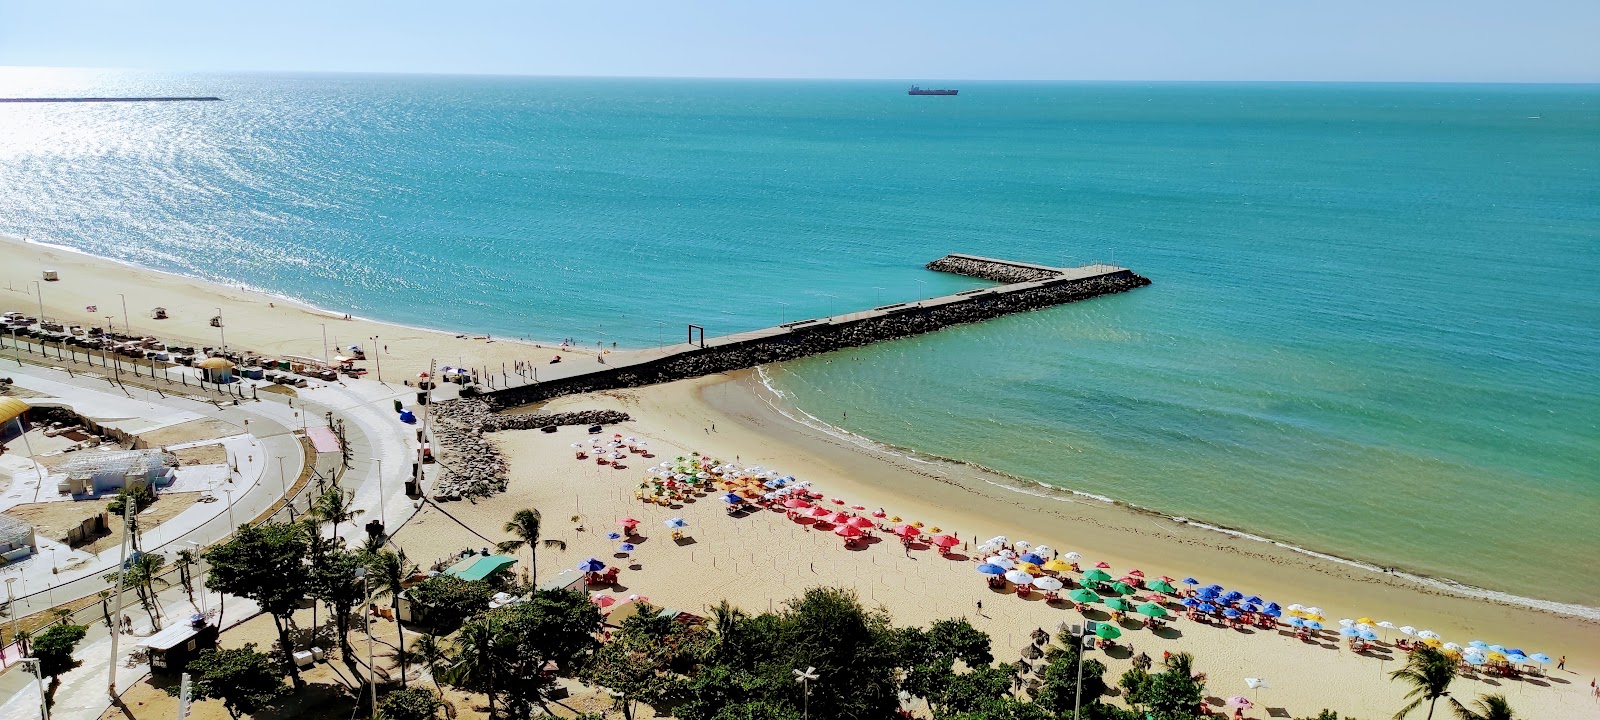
column 929, row 91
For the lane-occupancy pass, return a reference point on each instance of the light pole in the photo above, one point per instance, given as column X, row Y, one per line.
column 38, row 291
column 377, row 357
column 122, row 576
column 38, row 676
column 221, row 332
column 326, row 359
column 366, row 614
column 127, row 322
column 783, row 312
column 804, row 677
column 1081, row 637
column 196, row 547
column 232, row 526
column 281, row 480
column 11, row 604
column 381, row 516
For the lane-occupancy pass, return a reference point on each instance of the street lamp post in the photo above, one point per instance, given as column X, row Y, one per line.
column 804, row 677
column 1080, row 637
column 11, row 604
column 38, row 677
column 281, row 480
column 377, row 357
column 127, row 322
column 366, row 613
column 222, row 333
column 38, row 291
column 196, row 547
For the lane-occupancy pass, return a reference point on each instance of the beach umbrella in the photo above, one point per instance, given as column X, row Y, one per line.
column 1473, row 658
column 1206, row 593
column 1385, row 624
column 628, row 522
column 796, row 504
column 1479, row 644
column 1232, row 613
column 677, row 522
column 1313, row 625
column 1365, row 621
column 1249, row 607
column 1083, row 595
column 1240, row 701
column 1008, row 553
column 1022, row 545
column 820, row 512
column 1190, row 602
column 1058, row 565
column 1368, row 635
column 1313, row 610
column 1297, row 622
column 1103, row 565
column 1004, row 562
column 991, row 569
column 625, row 548
column 847, row 531
column 858, row 508
column 613, row 536
column 1121, row 588
column 1019, row 577
column 1073, row 556
column 1431, row 635
column 1117, row 603
column 1514, row 651
column 591, row 565
column 1407, row 629
column 840, row 518
column 1206, row 607
column 1450, row 646
column 1136, row 573
column 1492, row 648
column 1347, row 622
column 603, row 601
column 860, row 522
column 1045, row 551
column 836, row 501
column 1048, row 584
column 1296, row 607
column 1190, row 581
column 997, row 540
column 1161, row 586
column 1032, row 558
column 1540, row 658
column 1253, row 600
column 908, row 532
column 1312, row 616
column 1107, row 631
column 1232, row 596
column 1271, row 612
column 945, row 541
column 1517, row 658
column 1152, row 610
column 879, row 514
column 732, row 499
column 1349, row 632
column 1096, row 575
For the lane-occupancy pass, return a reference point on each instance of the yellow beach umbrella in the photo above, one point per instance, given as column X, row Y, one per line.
column 11, row 408
column 1314, row 617
column 1365, row 621
column 1496, row 657
column 895, row 518
column 1029, row 568
column 1432, row 642
column 934, row 529
column 1297, row 613
column 917, row 524
column 1057, row 565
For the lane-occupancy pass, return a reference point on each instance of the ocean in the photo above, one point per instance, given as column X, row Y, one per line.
column 1374, row 328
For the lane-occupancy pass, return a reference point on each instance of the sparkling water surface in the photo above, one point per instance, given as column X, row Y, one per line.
column 1374, row 329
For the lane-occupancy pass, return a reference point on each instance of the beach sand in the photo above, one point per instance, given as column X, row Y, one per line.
column 759, row 561
column 253, row 321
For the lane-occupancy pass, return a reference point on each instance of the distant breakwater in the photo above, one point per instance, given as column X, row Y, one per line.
column 109, row 99
column 813, row 337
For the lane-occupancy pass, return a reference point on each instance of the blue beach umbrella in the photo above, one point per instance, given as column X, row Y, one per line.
column 1232, row 613
column 1514, row 651
column 1271, row 611
column 1349, row 632
column 677, row 522
column 1475, row 658
column 732, row 499
column 591, row 565
column 1232, row 596
column 1253, row 600
column 625, row 547
column 1540, row 658
column 1498, row 649
column 991, row 569
column 1313, row 625
column 613, row 536
column 1190, row 581
column 1207, row 607
column 1479, row 644
column 1031, row 558
column 1297, row 622
column 1206, row 593
column 1191, row 602
column 1249, row 607
column 1368, row 636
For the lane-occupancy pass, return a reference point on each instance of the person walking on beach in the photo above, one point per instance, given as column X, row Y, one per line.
column 1562, row 663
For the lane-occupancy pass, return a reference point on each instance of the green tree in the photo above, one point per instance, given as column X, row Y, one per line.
column 524, row 526
column 644, row 660
column 1486, row 707
column 243, row 679
column 142, row 573
column 480, row 647
column 1429, row 673
column 387, row 571
column 411, row 704
column 1058, row 686
column 1175, row 693
column 432, row 655
column 335, row 505
column 551, row 629
column 335, row 581
column 53, row 649
column 446, row 600
column 141, row 496
column 265, row 563
column 185, row 563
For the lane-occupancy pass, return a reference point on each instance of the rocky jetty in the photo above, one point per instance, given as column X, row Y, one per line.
column 471, row 466
column 996, row 270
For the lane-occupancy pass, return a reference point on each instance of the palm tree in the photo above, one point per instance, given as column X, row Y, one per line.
column 141, row 575
column 1489, row 707
column 186, row 560
column 477, row 658
column 525, row 526
column 434, row 657
column 335, row 505
column 389, row 571
column 1429, row 673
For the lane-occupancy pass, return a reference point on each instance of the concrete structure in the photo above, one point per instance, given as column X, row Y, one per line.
column 93, row 472
column 16, row 539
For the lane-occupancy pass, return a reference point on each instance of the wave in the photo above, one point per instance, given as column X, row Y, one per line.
column 783, row 404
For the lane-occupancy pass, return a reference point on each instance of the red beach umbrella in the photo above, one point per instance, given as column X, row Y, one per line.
column 796, row 504
column 603, row 601
column 628, row 522
column 859, row 522
column 879, row 514
column 1103, row 565
column 906, row 531
column 1136, row 573
column 847, row 531
column 820, row 512
column 837, row 501
column 946, row 541
column 839, row 518
column 858, row 507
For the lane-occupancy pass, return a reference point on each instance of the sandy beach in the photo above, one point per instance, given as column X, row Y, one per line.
column 252, row 320
column 759, row 561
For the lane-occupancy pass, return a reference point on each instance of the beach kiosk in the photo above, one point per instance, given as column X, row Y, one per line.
column 216, row 370
column 51, row 276
column 172, row 649
column 480, row 567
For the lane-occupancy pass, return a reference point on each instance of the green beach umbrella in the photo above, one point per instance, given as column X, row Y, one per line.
column 1096, row 575
column 1083, row 595
column 1107, row 631
column 1161, row 586
column 1152, row 610
column 1122, row 588
column 1117, row 603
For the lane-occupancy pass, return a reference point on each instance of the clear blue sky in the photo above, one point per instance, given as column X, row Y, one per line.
column 1400, row 40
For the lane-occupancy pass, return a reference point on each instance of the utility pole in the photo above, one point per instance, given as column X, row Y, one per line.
column 39, row 292
column 38, row 676
column 326, row 359
column 222, row 333
column 127, row 322
column 377, row 357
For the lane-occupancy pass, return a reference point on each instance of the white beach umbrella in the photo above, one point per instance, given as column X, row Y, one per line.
column 1385, row 624
column 1045, row 550
column 1022, row 545
column 1048, row 584
column 1004, row 562
column 1296, row 607
column 1428, row 635
column 1019, row 577
column 997, row 540
column 633, row 439
column 1451, row 646
column 1073, row 556
column 989, row 548
column 1008, row 553
column 1256, row 683
column 577, row 444
column 1347, row 622
column 1314, row 610
column 1408, row 630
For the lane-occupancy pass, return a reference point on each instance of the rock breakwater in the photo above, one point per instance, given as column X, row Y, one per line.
column 471, row 465
column 989, row 269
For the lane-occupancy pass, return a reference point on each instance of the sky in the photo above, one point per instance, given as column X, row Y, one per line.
column 930, row 40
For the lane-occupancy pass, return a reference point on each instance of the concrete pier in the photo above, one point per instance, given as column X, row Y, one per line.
column 1029, row 287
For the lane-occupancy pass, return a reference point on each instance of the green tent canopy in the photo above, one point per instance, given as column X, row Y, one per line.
column 478, row 567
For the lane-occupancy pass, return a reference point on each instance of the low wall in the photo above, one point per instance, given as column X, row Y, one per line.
column 991, row 269
column 806, row 339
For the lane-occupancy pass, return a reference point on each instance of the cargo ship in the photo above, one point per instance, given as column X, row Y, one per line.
column 929, row 91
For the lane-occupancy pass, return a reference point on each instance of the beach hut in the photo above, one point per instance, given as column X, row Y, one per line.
column 51, row 276
column 159, row 313
column 172, row 649
column 216, row 370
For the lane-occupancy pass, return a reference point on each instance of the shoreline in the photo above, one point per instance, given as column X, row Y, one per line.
column 761, row 383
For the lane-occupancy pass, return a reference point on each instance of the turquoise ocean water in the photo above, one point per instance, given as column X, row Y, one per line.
column 1374, row 329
